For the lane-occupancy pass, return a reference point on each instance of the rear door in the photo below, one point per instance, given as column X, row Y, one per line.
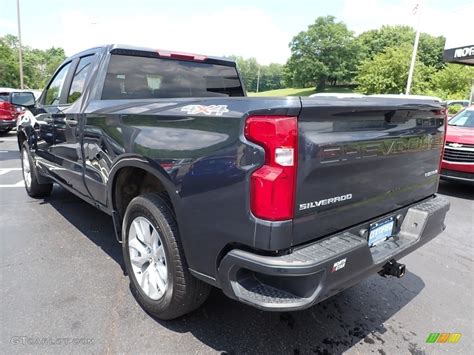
column 362, row 158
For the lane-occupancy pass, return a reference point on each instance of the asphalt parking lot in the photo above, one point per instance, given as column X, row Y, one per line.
column 61, row 278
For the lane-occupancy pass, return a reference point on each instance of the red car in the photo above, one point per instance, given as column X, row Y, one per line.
column 458, row 159
column 8, row 112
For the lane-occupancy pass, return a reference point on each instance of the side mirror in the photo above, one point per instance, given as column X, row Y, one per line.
column 24, row 98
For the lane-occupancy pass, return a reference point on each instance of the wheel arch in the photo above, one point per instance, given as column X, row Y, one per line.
column 21, row 137
column 137, row 163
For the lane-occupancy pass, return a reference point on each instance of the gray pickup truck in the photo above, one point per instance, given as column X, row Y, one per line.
column 279, row 202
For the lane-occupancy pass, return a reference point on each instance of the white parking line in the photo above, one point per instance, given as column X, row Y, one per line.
column 4, row 171
column 18, row 184
column 8, row 139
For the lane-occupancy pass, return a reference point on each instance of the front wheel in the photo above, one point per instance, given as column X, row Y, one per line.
column 30, row 175
column 155, row 261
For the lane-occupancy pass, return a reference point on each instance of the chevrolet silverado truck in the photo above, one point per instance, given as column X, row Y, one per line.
column 279, row 202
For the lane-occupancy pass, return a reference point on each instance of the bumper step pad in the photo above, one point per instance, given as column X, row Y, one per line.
column 266, row 294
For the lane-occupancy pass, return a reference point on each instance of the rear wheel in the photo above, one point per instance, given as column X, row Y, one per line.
column 30, row 175
column 155, row 261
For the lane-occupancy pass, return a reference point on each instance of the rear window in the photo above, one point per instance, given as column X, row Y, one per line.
column 4, row 96
column 131, row 77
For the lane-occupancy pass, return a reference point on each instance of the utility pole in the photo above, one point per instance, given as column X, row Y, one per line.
column 20, row 54
column 417, row 11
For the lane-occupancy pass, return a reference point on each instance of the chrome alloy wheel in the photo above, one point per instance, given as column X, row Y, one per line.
column 148, row 258
column 26, row 168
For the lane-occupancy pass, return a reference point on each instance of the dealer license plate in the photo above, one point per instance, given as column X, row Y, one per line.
column 380, row 231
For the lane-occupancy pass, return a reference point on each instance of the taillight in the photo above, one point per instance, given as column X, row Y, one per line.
column 272, row 186
column 5, row 105
column 7, row 110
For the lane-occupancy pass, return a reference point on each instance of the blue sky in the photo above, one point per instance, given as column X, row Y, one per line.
column 261, row 29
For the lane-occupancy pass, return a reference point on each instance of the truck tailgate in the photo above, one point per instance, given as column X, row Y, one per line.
column 362, row 158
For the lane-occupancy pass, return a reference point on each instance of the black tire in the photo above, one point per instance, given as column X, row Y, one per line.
column 184, row 293
column 35, row 189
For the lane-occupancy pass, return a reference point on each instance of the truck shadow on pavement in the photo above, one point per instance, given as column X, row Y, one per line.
column 357, row 315
column 456, row 189
column 94, row 224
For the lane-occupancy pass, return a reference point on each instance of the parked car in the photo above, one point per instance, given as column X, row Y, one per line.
column 9, row 113
column 455, row 106
column 458, row 158
column 279, row 202
column 463, row 103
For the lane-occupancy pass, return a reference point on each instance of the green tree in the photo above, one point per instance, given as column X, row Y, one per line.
column 11, row 41
column 248, row 69
column 325, row 52
column 430, row 50
column 452, row 82
column 38, row 65
column 9, row 72
column 373, row 42
column 387, row 73
column 271, row 76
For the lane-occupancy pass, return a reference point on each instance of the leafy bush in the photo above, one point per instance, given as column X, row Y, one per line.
column 453, row 109
column 38, row 65
column 387, row 73
column 452, row 83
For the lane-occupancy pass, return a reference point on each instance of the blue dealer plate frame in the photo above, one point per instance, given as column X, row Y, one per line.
column 380, row 231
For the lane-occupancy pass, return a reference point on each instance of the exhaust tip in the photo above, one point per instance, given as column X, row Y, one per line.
column 393, row 268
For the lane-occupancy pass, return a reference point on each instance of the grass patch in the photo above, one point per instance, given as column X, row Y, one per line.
column 299, row 91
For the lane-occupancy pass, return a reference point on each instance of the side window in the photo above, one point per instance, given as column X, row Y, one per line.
column 54, row 90
column 79, row 79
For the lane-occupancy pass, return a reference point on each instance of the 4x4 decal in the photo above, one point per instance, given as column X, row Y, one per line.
column 216, row 110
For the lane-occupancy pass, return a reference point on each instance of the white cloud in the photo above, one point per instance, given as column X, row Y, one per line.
column 249, row 32
column 241, row 30
column 454, row 24
column 457, row 26
column 363, row 15
column 7, row 26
